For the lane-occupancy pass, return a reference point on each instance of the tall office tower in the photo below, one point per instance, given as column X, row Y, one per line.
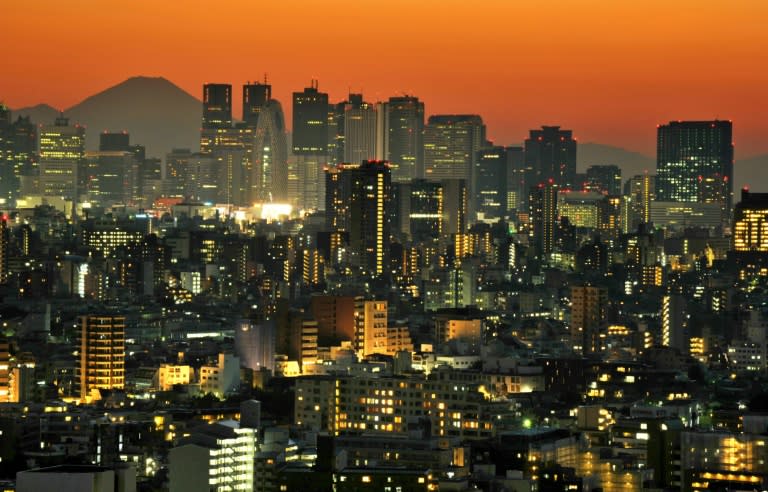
column 18, row 147
column 364, row 191
column 694, row 163
column 551, row 154
column 455, row 206
column 62, row 152
column 491, row 180
column 588, row 309
column 217, row 106
column 270, row 163
column 176, row 173
column 336, row 133
column 451, row 143
column 233, row 151
column 542, row 205
column 255, row 96
column 111, row 173
column 360, row 130
column 404, row 137
column 604, row 179
column 517, row 186
column 638, row 192
column 750, row 224
column 310, row 145
column 674, row 322
column 101, row 356
column 425, row 210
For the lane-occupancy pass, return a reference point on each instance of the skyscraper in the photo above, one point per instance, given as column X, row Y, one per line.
column 360, row 130
column 310, row 120
column 18, row 146
column 101, row 355
column 111, row 172
column 491, row 182
column 543, row 212
column 365, row 191
column 638, row 194
column 217, row 106
column 255, row 96
column 451, row 143
column 550, row 153
column 404, row 137
column 270, row 164
column 310, row 145
column 425, row 210
column 62, row 152
column 694, row 163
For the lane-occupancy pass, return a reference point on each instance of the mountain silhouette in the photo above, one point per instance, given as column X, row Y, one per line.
column 751, row 172
column 631, row 163
column 154, row 111
column 42, row 114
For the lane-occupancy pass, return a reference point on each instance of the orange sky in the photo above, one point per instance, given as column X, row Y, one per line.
column 610, row 70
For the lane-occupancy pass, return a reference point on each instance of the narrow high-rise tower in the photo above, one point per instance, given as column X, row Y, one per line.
column 550, row 153
column 404, row 137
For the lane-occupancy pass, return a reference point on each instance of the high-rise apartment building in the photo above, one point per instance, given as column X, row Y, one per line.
column 363, row 193
column 694, row 163
column 101, row 354
column 543, row 215
column 404, row 137
column 588, row 309
column 215, row 457
column 550, row 153
column 638, row 192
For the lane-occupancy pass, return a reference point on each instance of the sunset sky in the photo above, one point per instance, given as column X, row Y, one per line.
column 609, row 70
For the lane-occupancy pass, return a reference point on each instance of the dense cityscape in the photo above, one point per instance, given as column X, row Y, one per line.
column 377, row 298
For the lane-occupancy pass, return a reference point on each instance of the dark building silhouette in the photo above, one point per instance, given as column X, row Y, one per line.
column 543, row 215
column 491, row 178
column 217, row 106
column 694, row 163
column 604, row 179
column 550, row 153
column 114, row 142
column 404, row 137
column 310, row 121
column 18, row 148
column 363, row 193
column 255, row 96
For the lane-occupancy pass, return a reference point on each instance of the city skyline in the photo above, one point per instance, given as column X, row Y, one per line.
column 649, row 73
